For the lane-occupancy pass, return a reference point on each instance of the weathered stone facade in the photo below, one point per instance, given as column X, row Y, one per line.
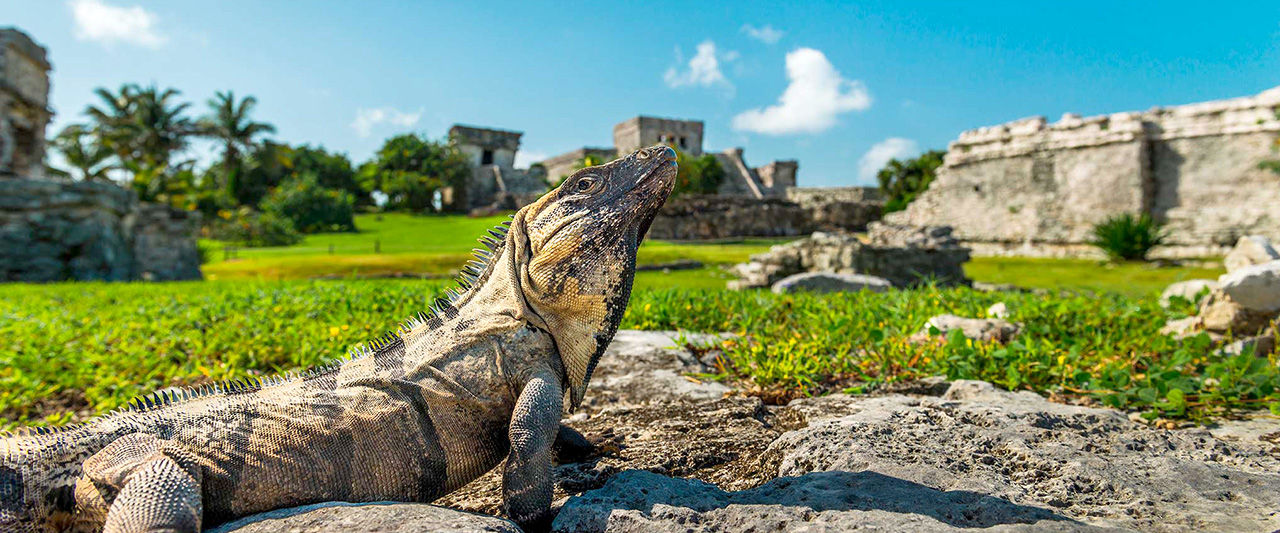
column 769, row 181
column 1027, row 186
column 711, row 217
column 495, row 183
column 56, row 231
column 24, row 104
column 905, row 256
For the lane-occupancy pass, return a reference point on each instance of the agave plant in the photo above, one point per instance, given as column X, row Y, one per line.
column 1128, row 237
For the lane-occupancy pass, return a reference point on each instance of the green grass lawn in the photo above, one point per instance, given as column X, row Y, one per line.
column 70, row 350
column 1134, row 279
column 431, row 245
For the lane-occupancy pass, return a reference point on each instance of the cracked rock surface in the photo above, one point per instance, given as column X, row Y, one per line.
column 677, row 454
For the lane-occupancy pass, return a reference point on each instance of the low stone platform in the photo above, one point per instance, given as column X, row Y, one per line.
column 677, row 454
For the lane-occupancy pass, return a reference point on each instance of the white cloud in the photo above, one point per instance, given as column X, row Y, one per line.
column 816, row 95
column 880, row 153
column 766, row 34
column 703, row 69
column 106, row 24
column 367, row 119
column 524, row 158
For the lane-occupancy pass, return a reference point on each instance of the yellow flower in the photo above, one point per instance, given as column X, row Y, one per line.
column 333, row 331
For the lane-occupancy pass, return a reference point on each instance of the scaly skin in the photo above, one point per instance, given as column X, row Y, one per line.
column 428, row 409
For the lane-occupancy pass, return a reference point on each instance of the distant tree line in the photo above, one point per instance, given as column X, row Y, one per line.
column 259, row 192
column 901, row 181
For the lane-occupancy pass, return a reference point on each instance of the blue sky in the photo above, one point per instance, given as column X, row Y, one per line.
column 838, row 86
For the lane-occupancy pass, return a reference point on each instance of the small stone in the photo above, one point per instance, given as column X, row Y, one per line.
column 998, row 310
column 982, row 329
column 1256, row 288
column 1250, row 250
column 1259, row 345
column 1188, row 290
column 830, row 282
column 384, row 517
column 1221, row 313
column 1182, row 327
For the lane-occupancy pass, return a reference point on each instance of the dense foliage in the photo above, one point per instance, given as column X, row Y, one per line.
column 697, row 175
column 68, row 347
column 901, row 181
column 247, row 227
column 1127, row 237
column 310, row 207
column 409, row 169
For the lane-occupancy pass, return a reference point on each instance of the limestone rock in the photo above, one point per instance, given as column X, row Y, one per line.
column 998, row 310
column 903, row 256
column 983, row 329
column 640, row 367
column 1256, row 288
column 830, row 282
column 1250, row 250
column 1259, row 345
column 384, row 517
column 1188, row 290
column 1182, row 327
column 1220, row 313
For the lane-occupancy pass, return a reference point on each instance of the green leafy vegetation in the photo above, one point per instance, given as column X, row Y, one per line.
column 251, row 228
column 310, row 207
column 409, row 169
column 70, row 350
column 901, row 181
column 1128, row 278
column 697, row 175
column 1127, row 237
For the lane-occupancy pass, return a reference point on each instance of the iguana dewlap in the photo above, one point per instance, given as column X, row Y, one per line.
column 484, row 376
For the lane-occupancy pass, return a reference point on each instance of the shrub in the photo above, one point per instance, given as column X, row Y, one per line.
column 1127, row 237
column 247, row 227
column 901, row 181
column 700, row 175
column 310, row 207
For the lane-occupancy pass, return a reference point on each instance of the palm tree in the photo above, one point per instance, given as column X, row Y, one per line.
column 229, row 122
column 143, row 126
column 158, row 127
column 84, row 152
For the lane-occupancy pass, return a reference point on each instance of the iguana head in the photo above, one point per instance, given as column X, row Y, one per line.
column 580, row 253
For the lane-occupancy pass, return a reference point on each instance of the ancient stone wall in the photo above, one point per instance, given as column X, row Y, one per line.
column 55, row 231
column 641, row 132
column 24, row 98
column 709, row 217
column 1029, row 184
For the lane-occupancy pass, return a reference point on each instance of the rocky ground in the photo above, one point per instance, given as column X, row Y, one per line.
column 677, row 454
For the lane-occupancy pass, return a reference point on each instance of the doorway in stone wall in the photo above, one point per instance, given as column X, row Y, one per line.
column 24, row 150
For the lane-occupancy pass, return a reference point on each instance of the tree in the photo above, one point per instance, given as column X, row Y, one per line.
column 311, row 207
column 410, row 169
column 697, row 175
column 144, row 128
column 332, row 171
column 229, row 123
column 901, row 181
column 84, row 152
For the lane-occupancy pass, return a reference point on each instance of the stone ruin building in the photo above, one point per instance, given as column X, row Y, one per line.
column 24, row 111
column 1029, row 187
column 52, row 230
column 769, row 181
column 495, row 182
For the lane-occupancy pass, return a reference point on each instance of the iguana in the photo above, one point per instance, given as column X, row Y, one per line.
column 485, row 375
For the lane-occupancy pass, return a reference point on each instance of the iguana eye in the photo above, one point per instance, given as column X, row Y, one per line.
column 586, row 184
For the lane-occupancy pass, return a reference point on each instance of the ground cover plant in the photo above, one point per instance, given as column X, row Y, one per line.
column 67, row 350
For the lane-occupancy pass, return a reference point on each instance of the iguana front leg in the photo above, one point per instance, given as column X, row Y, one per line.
column 142, row 484
column 527, row 479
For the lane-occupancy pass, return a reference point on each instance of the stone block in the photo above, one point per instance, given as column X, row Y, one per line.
column 1250, row 250
column 1256, row 287
column 982, row 329
column 1188, row 290
column 822, row 282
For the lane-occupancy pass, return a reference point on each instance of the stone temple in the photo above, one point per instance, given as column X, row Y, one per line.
column 768, row 181
column 24, row 104
column 1030, row 187
column 53, row 230
column 494, row 181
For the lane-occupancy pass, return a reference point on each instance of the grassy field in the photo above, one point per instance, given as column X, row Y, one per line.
column 430, row 245
column 438, row 245
column 67, row 347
